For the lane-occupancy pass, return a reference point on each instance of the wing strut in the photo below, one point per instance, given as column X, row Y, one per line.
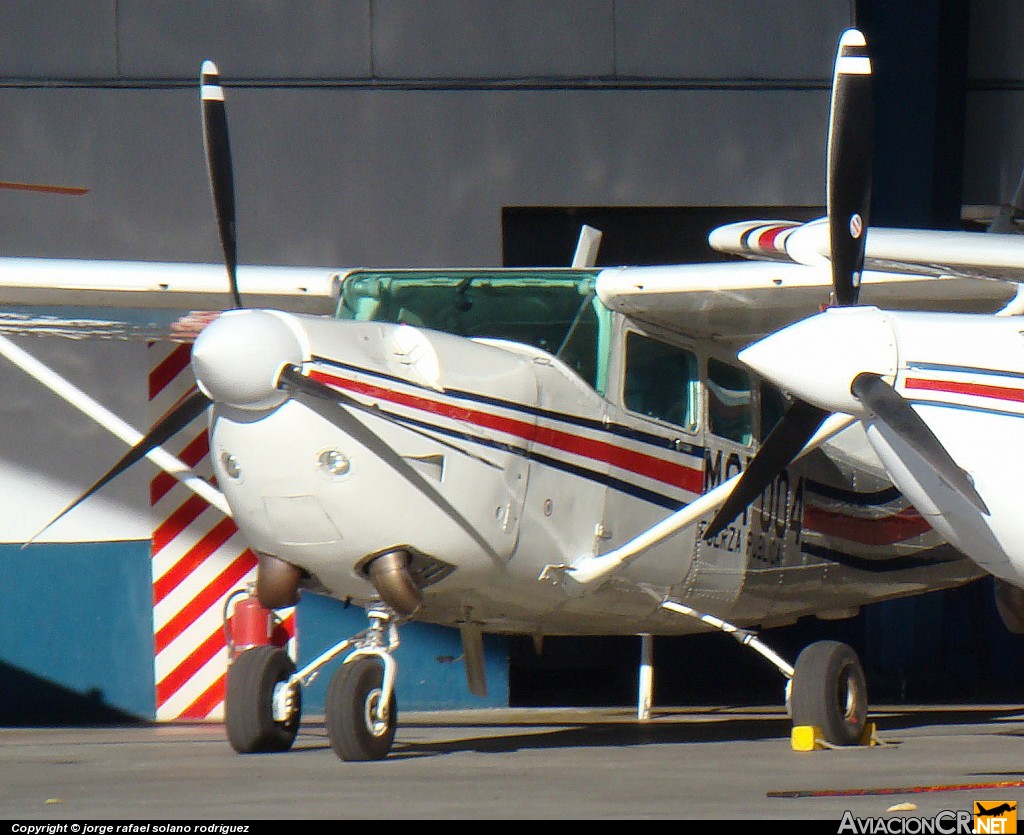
column 589, row 569
column 112, row 423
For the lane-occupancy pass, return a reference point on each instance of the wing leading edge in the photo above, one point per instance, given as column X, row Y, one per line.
column 925, row 252
column 736, row 303
column 146, row 300
column 739, row 302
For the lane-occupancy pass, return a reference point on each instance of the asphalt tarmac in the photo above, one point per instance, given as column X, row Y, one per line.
column 693, row 763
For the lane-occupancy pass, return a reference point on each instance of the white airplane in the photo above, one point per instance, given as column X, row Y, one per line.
column 540, row 451
column 940, row 395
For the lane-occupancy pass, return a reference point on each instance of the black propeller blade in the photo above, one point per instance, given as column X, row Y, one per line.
column 782, row 445
column 850, row 158
column 218, row 163
column 179, row 417
column 895, row 412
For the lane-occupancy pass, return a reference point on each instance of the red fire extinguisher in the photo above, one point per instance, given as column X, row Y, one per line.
column 250, row 624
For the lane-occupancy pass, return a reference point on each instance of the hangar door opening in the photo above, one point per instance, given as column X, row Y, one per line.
column 546, row 236
column 908, row 647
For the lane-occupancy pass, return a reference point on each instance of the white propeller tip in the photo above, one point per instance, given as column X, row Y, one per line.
column 209, row 83
column 852, row 37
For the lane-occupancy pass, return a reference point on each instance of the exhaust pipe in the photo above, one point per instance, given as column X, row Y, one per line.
column 393, row 581
column 277, row 582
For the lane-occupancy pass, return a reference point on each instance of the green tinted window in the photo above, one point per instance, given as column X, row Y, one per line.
column 661, row 380
column 554, row 310
column 729, row 413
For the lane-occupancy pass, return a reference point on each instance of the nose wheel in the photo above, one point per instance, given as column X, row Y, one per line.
column 360, row 719
column 262, row 708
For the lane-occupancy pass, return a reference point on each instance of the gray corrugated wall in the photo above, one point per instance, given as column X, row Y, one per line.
column 431, row 119
column 393, row 132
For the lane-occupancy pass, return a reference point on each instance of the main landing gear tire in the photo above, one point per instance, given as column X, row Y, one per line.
column 352, row 699
column 830, row 693
column 249, row 705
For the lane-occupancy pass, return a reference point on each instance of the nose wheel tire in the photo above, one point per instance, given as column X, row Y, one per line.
column 829, row 692
column 249, row 705
column 356, row 730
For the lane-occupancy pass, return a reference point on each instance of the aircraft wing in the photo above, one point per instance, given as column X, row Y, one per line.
column 737, row 303
column 917, row 251
column 146, row 300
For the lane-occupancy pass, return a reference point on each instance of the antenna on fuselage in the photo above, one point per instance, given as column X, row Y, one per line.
column 587, row 246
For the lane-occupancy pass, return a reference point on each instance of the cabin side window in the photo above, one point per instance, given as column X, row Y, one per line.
column 661, row 381
column 773, row 407
column 729, row 402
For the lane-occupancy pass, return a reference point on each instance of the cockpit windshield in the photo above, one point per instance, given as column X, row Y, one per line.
column 554, row 310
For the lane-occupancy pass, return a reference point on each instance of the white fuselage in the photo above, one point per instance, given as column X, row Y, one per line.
column 507, row 462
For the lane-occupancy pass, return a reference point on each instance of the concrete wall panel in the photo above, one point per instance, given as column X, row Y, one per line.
column 996, row 32
column 388, row 178
column 470, row 39
column 994, row 146
column 58, row 39
column 312, row 39
column 734, row 39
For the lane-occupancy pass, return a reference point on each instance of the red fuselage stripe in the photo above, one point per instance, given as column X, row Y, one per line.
column 878, row 531
column 649, row 466
column 887, row 530
column 973, row 389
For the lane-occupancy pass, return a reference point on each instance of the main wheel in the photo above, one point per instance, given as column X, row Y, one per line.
column 830, row 693
column 249, row 705
column 355, row 732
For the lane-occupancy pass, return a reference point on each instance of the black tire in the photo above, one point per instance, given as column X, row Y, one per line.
column 354, row 692
column 249, row 713
column 829, row 692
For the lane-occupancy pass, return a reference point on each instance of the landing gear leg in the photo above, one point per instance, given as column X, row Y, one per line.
column 360, row 724
column 361, row 709
column 826, row 689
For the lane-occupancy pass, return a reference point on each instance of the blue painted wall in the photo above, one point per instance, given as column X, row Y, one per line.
column 431, row 674
column 76, row 642
column 76, row 636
